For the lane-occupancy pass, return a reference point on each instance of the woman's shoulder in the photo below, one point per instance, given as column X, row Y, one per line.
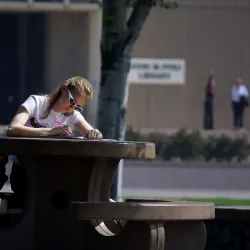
column 37, row 101
column 39, row 98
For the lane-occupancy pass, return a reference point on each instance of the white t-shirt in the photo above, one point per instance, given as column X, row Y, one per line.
column 36, row 106
column 238, row 91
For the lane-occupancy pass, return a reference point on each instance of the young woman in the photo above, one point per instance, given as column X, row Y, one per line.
column 40, row 115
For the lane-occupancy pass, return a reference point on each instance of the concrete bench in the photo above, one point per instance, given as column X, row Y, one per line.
column 172, row 225
column 150, row 211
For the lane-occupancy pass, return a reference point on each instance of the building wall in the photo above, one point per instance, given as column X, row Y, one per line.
column 207, row 37
column 72, row 48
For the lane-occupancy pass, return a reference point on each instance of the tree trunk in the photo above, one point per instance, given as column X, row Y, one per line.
column 118, row 39
column 112, row 104
column 115, row 68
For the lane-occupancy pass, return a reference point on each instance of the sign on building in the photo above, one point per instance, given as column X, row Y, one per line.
column 157, row 71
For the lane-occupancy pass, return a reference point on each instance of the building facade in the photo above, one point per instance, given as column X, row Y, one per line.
column 208, row 35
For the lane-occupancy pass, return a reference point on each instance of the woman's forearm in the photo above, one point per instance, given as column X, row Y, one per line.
column 21, row 130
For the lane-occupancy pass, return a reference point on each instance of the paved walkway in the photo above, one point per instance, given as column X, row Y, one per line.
column 180, row 193
column 161, row 179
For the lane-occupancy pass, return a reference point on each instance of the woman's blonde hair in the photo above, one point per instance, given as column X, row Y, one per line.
column 76, row 83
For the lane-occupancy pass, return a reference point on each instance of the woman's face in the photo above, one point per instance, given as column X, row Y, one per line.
column 71, row 100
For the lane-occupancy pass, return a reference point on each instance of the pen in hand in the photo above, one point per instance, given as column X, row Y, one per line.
column 59, row 123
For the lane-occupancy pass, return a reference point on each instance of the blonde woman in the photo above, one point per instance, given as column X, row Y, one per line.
column 40, row 115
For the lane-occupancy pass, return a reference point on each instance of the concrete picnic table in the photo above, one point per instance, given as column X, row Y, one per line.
column 68, row 190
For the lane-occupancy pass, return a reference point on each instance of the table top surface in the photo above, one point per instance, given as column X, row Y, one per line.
column 76, row 147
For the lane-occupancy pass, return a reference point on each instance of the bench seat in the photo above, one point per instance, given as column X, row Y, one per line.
column 146, row 211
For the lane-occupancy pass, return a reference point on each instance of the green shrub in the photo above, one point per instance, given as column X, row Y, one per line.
column 185, row 145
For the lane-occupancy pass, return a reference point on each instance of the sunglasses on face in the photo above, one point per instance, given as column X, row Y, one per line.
column 73, row 102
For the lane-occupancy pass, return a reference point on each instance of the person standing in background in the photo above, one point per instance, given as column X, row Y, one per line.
column 239, row 103
column 209, row 101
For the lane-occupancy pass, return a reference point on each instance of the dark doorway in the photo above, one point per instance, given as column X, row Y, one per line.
column 9, row 66
column 21, row 60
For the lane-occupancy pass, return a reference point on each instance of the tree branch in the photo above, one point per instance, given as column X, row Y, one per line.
column 141, row 11
column 139, row 16
column 134, row 25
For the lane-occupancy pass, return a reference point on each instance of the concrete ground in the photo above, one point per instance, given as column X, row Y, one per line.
column 163, row 179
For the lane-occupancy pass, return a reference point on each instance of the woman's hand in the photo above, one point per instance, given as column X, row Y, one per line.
column 60, row 130
column 94, row 134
